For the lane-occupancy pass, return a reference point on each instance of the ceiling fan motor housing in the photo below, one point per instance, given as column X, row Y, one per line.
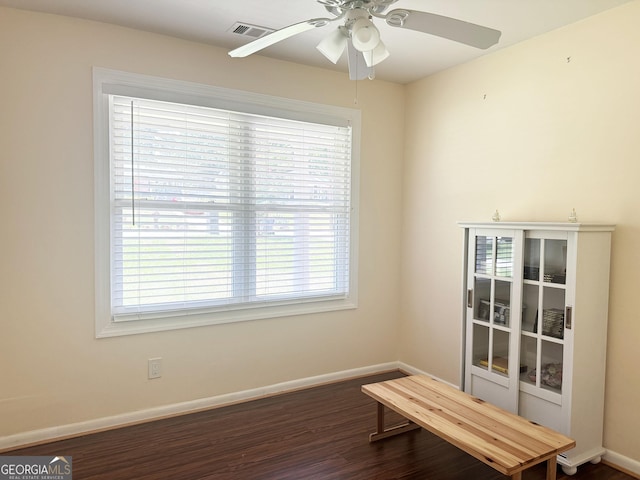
column 338, row 7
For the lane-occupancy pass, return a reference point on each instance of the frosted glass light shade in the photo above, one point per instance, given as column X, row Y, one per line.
column 364, row 35
column 375, row 56
column 333, row 45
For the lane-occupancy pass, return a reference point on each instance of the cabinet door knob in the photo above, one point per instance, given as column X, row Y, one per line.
column 567, row 317
column 470, row 298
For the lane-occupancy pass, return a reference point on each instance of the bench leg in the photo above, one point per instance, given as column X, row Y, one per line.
column 380, row 424
column 382, row 432
column 551, row 468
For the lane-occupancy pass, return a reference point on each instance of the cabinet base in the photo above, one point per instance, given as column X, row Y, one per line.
column 570, row 466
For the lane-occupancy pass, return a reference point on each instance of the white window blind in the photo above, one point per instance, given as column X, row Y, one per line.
column 214, row 210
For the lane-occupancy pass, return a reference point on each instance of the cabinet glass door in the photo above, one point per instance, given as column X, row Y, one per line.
column 543, row 323
column 490, row 302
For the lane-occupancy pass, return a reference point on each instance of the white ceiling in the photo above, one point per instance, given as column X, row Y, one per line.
column 414, row 55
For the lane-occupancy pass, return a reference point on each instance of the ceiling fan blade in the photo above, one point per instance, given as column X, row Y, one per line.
column 278, row 36
column 358, row 69
column 445, row 27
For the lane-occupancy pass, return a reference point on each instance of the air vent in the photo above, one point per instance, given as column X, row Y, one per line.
column 250, row 30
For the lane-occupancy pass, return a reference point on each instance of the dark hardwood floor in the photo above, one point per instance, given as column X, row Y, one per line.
column 318, row 433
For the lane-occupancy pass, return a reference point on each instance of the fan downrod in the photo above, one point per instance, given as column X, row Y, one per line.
column 338, row 7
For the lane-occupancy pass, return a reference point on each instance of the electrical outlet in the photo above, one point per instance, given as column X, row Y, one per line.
column 155, row 367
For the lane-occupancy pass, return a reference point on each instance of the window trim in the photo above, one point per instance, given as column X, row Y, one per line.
column 105, row 82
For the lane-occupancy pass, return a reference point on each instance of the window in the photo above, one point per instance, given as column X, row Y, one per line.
column 215, row 206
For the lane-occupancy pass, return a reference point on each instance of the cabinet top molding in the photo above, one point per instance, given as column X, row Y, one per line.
column 565, row 226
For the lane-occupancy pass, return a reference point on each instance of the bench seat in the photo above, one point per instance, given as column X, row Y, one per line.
column 505, row 441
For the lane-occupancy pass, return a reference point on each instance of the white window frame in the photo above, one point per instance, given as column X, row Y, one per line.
column 106, row 82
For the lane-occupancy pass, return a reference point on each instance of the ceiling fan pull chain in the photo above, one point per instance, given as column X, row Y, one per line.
column 355, row 100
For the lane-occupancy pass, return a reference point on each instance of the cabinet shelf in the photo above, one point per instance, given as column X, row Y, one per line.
column 494, row 369
column 494, row 325
column 560, row 286
column 546, row 338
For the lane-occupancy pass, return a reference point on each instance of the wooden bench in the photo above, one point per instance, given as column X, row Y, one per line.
column 501, row 439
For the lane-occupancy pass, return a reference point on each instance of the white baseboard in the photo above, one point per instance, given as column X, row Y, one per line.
column 415, row 371
column 627, row 464
column 131, row 418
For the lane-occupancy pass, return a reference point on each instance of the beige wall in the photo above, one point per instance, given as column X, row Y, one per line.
column 533, row 130
column 53, row 370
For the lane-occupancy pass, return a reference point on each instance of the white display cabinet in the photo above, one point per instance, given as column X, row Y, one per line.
column 535, row 325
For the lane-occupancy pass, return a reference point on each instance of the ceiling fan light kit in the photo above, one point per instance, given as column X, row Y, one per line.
column 334, row 45
column 377, row 55
column 366, row 47
column 364, row 35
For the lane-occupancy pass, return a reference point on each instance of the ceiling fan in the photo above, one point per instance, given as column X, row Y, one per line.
column 365, row 48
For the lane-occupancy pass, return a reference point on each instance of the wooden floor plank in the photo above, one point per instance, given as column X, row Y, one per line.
column 315, row 434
